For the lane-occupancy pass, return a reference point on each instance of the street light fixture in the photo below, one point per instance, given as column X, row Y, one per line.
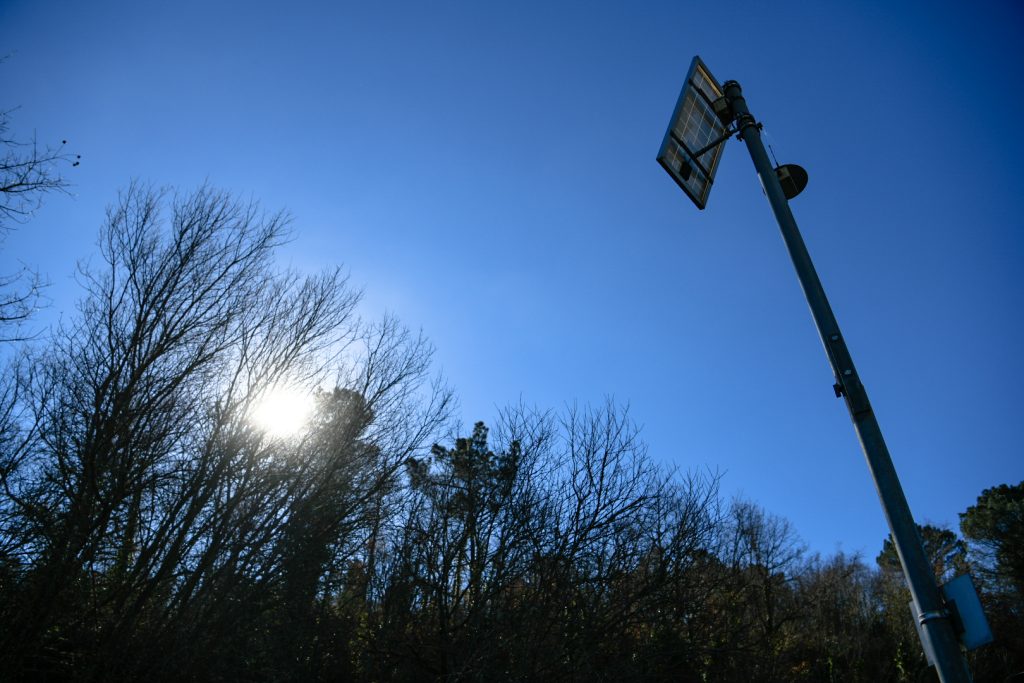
column 706, row 115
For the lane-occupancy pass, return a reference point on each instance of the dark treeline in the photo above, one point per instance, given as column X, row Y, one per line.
column 149, row 530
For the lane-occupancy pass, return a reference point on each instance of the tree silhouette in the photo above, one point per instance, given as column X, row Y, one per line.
column 994, row 526
column 28, row 172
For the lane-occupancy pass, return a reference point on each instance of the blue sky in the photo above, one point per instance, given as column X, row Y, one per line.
column 486, row 172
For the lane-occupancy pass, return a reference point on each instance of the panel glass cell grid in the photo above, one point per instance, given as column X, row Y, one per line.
column 694, row 126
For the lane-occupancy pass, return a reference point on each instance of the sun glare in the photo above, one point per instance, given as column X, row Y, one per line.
column 283, row 412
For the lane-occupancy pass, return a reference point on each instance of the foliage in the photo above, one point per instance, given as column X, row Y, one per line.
column 947, row 553
column 995, row 528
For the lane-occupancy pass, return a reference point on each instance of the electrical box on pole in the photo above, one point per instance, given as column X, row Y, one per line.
column 706, row 115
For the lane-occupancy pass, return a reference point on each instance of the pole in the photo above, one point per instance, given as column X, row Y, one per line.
column 935, row 619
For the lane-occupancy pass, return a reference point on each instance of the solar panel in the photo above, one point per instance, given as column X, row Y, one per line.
column 694, row 126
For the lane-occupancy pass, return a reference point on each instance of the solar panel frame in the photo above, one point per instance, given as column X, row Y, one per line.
column 694, row 125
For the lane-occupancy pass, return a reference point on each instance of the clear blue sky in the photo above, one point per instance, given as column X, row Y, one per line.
column 486, row 171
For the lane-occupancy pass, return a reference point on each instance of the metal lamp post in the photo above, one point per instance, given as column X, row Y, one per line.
column 700, row 124
column 935, row 618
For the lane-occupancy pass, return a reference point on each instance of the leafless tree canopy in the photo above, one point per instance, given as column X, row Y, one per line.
column 28, row 172
column 150, row 529
column 137, row 487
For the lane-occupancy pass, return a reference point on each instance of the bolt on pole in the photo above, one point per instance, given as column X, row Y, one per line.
column 935, row 619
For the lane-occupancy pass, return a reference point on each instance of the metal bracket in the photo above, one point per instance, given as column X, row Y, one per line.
column 934, row 615
column 746, row 121
column 704, row 150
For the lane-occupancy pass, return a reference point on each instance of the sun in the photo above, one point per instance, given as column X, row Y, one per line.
column 282, row 413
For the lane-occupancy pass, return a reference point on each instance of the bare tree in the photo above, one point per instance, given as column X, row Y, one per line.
column 28, row 172
column 762, row 553
column 839, row 616
column 547, row 549
column 150, row 514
